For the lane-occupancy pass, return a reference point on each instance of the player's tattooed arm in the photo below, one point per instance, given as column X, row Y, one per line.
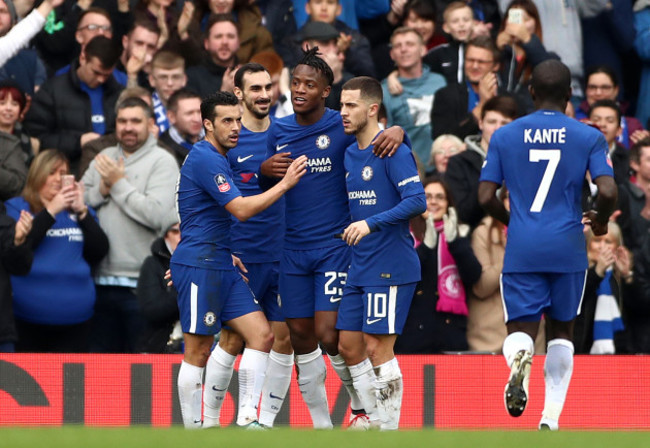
column 386, row 143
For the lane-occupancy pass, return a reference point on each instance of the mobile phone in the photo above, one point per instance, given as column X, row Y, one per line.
column 67, row 179
column 516, row 15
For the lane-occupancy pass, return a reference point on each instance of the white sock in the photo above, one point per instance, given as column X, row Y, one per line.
column 514, row 343
column 251, row 378
column 276, row 386
column 311, row 381
column 190, row 380
column 341, row 369
column 558, row 369
column 363, row 379
column 217, row 379
column 389, row 389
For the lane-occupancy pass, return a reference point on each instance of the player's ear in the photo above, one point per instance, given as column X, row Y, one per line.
column 207, row 124
column 238, row 93
column 373, row 110
column 326, row 92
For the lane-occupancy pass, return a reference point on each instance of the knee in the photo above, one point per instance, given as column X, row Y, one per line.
column 329, row 338
column 263, row 340
column 231, row 342
column 198, row 355
column 282, row 343
column 350, row 351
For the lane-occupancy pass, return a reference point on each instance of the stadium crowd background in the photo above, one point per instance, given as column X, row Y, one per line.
column 452, row 72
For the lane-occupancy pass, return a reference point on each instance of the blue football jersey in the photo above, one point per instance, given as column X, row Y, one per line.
column 259, row 239
column 316, row 209
column 387, row 256
column 543, row 159
column 204, row 188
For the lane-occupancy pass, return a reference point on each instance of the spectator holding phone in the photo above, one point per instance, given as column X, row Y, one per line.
column 54, row 302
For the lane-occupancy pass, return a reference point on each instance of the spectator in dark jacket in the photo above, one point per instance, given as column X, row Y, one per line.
column 74, row 108
column 157, row 300
column 15, row 259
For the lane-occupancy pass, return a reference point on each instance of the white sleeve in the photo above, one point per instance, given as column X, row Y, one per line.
column 20, row 35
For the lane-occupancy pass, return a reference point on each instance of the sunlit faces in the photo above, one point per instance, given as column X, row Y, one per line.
column 607, row 120
column 132, row 128
column 600, row 87
column 187, row 117
column 257, row 93
column 424, row 27
column 492, row 121
column 459, row 24
column 221, row 6
column 308, row 89
column 52, row 183
column 167, row 81
column 437, row 201
column 478, row 62
column 354, row 111
column 141, row 38
column 226, row 126
column 92, row 72
column 407, row 50
column 323, row 10
column 91, row 25
column 9, row 111
column 222, row 43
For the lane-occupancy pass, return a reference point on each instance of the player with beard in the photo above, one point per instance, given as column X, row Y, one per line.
column 314, row 263
column 211, row 292
column 258, row 243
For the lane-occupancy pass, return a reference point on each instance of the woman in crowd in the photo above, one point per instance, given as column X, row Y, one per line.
column 601, row 84
column 437, row 319
column 53, row 304
column 442, row 149
column 486, row 327
column 610, row 284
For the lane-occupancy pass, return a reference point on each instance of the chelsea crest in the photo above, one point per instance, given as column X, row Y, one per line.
column 323, row 142
column 366, row 173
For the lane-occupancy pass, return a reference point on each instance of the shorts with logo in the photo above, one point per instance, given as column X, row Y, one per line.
column 263, row 281
column 312, row 280
column 528, row 295
column 375, row 309
column 207, row 298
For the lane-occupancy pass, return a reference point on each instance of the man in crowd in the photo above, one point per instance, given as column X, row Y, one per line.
column 186, row 128
column 166, row 77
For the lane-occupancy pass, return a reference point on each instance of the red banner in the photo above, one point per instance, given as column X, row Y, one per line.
column 447, row 392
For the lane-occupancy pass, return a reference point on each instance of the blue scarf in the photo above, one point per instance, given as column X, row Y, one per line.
column 607, row 320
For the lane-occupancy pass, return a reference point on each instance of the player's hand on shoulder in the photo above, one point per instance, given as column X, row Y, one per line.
column 355, row 232
column 296, row 170
column 276, row 165
column 386, row 143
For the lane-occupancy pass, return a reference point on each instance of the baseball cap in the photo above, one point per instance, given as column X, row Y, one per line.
column 317, row 31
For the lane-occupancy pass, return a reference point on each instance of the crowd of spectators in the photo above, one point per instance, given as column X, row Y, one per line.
column 100, row 104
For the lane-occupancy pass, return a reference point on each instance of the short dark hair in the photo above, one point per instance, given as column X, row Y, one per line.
column 486, row 43
column 370, row 88
column 310, row 58
column 250, row 67
column 104, row 49
column 611, row 104
column 438, row 179
column 134, row 101
column 635, row 150
column 551, row 81
column 504, row 104
column 421, row 8
column 180, row 94
column 94, row 10
column 210, row 103
column 148, row 25
column 605, row 70
column 217, row 18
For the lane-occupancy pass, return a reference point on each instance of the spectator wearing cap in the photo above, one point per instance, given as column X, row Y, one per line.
column 323, row 26
column 72, row 109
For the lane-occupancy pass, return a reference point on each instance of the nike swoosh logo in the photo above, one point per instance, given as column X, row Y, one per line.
column 275, row 397
column 214, row 388
column 280, row 147
column 197, row 421
column 370, row 322
column 243, row 159
column 335, row 299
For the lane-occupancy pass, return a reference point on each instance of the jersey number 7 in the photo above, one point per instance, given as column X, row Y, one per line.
column 553, row 157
